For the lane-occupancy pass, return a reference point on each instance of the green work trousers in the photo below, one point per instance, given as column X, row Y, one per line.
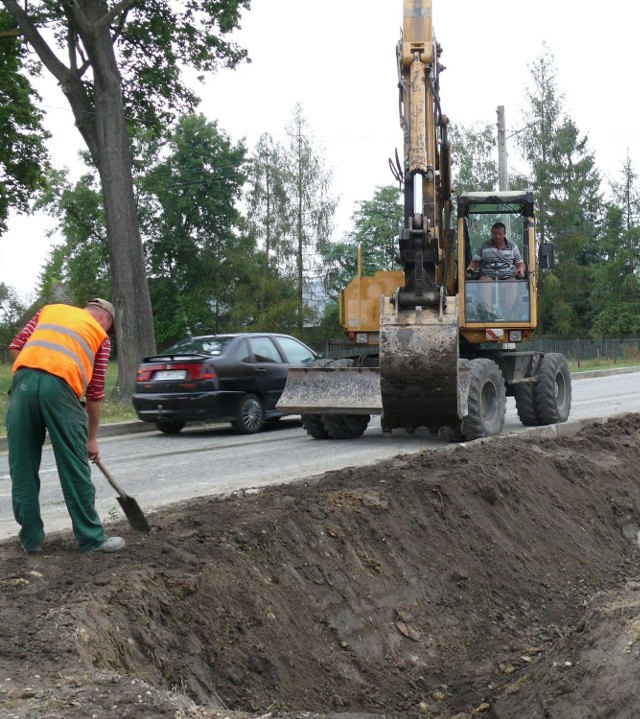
column 42, row 402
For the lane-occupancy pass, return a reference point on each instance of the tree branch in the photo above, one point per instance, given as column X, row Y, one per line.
column 119, row 7
column 31, row 34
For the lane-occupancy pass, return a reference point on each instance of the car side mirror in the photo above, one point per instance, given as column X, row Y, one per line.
column 545, row 256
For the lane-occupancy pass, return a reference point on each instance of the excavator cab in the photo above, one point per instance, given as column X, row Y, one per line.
column 507, row 305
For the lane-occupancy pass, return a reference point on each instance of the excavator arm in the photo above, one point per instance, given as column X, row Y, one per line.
column 424, row 239
column 419, row 373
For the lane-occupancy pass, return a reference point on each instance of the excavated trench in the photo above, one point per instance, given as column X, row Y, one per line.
column 430, row 585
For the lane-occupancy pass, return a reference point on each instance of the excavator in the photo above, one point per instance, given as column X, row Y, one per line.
column 439, row 347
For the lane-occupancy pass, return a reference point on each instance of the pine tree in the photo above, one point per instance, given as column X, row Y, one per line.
column 566, row 186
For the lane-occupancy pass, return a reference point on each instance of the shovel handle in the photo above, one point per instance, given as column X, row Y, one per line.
column 110, row 479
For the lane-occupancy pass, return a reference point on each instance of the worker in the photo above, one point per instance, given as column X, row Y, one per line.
column 60, row 356
column 498, row 258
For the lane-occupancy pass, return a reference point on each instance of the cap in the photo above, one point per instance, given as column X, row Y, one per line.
column 105, row 305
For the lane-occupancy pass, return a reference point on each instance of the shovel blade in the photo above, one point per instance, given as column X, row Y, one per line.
column 134, row 514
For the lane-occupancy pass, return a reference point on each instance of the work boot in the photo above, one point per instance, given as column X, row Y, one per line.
column 37, row 550
column 110, row 544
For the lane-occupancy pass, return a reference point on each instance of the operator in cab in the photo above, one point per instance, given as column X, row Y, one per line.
column 498, row 258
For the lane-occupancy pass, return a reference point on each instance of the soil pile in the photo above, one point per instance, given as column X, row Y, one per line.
column 496, row 579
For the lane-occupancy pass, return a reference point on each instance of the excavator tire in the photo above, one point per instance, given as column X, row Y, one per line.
column 312, row 424
column 553, row 389
column 345, row 426
column 525, row 396
column 486, row 402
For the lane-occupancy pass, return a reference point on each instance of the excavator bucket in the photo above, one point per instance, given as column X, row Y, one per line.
column 331, row 390
column 423, row 382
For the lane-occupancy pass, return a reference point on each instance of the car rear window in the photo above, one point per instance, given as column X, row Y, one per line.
column 201, row 345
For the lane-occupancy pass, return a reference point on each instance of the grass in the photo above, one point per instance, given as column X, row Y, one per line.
column 594, row 364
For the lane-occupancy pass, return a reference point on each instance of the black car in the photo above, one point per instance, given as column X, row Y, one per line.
column 232, row 377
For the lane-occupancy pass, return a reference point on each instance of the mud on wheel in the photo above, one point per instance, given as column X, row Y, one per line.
column 525, row 396
column 553, row 389
column 312, row 424
column 486, row 402
column 345, row 426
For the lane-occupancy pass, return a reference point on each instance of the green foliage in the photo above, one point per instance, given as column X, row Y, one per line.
column 621, row 319
column 157, row 37
column 473, row 149
column 554, row 311
column 269, row 215
column 616, row 286
column 154, row 40
column 191, row 228
column 289, row 217
column 196, row 255
column 12, row 312
column 23, row 154
column 566, row 186
column 80, row 264
column 311, row 207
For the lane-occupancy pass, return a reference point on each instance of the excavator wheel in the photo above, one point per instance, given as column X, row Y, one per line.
column 312, row 424
column 486, row 402
column 553, row 389
column 525, row 396
column 345, row 426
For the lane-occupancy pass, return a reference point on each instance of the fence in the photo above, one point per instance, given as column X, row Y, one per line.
column 576, row 350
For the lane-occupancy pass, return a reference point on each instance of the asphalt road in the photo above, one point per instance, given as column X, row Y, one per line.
column 158, row 469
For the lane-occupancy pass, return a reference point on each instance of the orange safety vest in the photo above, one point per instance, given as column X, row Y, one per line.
column 64, row 343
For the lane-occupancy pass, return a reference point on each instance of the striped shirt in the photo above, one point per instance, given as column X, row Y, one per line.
column 496, row 262
column 95, row 388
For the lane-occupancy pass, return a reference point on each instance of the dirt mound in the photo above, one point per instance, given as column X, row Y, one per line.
column 494, row 579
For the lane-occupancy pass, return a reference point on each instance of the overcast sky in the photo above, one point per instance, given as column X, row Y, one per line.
column 337, row 59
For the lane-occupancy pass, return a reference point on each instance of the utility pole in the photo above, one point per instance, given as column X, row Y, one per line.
column 503, row 175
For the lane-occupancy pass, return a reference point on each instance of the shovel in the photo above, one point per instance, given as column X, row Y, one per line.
column 129, row 505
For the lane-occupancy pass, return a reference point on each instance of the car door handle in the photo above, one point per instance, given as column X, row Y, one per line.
column 262, row 370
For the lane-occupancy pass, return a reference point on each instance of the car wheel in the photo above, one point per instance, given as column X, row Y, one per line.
column 250, row 416
column 169, row 426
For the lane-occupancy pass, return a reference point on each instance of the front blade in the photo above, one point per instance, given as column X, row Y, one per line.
column 331, row 390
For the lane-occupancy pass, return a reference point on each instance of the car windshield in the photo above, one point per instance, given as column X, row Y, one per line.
column 213, row 345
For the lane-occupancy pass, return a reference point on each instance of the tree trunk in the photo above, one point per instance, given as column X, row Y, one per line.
column 130, row 290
